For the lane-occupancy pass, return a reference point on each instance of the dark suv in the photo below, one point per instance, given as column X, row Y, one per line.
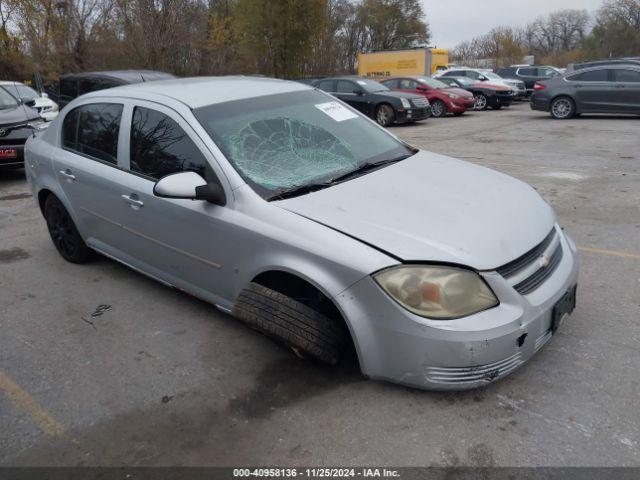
column 529, row 74
column 75, row 84
column 377, row 101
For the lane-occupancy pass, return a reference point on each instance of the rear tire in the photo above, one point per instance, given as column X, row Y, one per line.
column 304, row 329
column 438, row 109
column 562, row 108
column 385, row 115
column 64, row 233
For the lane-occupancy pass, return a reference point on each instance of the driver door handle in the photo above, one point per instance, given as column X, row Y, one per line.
column 67, row 174
column 133, row 200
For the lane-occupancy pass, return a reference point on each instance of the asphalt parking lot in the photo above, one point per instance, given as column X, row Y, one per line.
column 161, row 378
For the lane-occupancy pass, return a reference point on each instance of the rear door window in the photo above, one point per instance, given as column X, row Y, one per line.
column 627, row 76
column 391, row 83
column 92, row 130
column 407, row 84
column 159, row 146
column 593, row 76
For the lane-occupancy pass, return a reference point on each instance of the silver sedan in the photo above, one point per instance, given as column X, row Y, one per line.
column 287, row 208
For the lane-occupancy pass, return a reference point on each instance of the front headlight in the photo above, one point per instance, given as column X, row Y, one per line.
column 453, row 95
column 405, row 103
column 440, row 293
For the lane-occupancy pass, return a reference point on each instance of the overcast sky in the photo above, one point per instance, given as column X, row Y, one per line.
column 453, row 21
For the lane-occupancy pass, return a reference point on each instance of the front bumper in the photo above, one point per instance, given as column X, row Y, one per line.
column 15, row 161
column 470, row 352
column 460, row 105
column 500, row 100
column 413, row 114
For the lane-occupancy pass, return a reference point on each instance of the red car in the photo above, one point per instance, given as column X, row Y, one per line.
column 443, row 98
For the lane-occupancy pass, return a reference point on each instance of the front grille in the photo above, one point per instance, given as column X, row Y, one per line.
column 420, row 102
column 531, row 267
column 519, row 263
column 480, row 373
column 534, row 281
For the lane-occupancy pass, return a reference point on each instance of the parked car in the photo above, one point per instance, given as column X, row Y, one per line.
column 603, row 63
column 280, row 204
column 443, row 98
column 377, row 101
column 485, row 94
column 529, row 74
column 47, row 108
column 18, row 120
column 76, row 84
column 608, row 89
column 487, row 76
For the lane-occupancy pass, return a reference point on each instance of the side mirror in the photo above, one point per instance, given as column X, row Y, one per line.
column 358, row 91
column 189, row 186
column 423, row 88
column 44, row 95
column 28, row 103
column 482, row 78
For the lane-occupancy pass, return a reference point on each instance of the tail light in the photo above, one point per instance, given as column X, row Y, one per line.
column 539, row 86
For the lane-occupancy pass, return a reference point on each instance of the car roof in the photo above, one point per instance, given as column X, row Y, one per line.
column 10, row 82
column 197, row 92
column 613, row 66
column 129, row 76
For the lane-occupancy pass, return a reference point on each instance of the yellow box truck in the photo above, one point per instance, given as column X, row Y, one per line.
column 394, row 63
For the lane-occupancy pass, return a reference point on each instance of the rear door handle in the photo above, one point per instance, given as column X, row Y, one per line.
column 68, row 175
column 133, row 200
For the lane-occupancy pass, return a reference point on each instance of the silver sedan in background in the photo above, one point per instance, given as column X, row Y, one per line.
column 287, row 208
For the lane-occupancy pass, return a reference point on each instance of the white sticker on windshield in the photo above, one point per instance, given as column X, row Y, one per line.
column 361, row 82
column 336, row 111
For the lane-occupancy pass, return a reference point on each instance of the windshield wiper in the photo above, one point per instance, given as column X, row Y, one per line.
column 298, row 190
column 367, row 167
column 312, row 187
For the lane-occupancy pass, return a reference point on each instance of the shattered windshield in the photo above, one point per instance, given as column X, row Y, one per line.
column 286, row 141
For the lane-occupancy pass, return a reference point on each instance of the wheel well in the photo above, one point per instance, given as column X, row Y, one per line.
column 387, row 104
column 563, row 95
column 42, row 198
column 295, row 287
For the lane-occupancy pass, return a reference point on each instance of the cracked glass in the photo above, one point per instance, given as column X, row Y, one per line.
column 284, row 141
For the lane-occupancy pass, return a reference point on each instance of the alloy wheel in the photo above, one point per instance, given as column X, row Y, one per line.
column 481, row 102
column 438, row 109
column 384, row 116
column 562, row 108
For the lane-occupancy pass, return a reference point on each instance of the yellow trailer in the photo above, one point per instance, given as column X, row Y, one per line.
column 393, row 63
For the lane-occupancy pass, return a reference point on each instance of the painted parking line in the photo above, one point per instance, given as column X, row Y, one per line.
column 613, row 253
column 25, row 402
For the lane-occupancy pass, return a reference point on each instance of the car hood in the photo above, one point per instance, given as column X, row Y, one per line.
column 18, row 114
column 458, row 91
column 398, row 94
column 434, row 208
column 493, row 86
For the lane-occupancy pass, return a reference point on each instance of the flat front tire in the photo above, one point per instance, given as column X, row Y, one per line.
column 305, row 330
column 63, row 232
column 385, row 115
column 562, row 108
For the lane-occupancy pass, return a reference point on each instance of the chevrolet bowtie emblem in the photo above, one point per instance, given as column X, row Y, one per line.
column 543, row 261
